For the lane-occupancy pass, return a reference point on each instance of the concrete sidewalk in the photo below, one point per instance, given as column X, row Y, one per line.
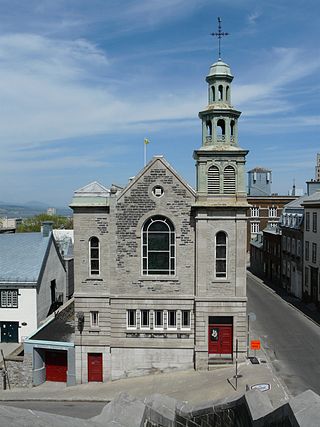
column 191, row 386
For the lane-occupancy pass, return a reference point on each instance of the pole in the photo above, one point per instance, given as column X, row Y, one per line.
column 145, row 153
column 248, row 337
column 236, row 364
column 5, row 369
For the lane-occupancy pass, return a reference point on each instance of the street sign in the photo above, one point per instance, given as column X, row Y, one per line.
column 252, row 317
column 261, row 387
column 255, row 345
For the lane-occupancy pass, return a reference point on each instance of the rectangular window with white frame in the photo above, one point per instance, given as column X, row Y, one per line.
column 255, row 227
column 94, row 319
column 9, row 298
column 172, row 319
column 185, row 319
column 272, row 212
column 131, row 319
column 144, row 319
column 158, row 319
column 254, row 212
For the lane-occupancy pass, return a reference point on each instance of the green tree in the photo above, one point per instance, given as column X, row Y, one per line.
column 34, row 223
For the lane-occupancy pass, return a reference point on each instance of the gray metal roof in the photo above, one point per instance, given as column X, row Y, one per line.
column 21, row 256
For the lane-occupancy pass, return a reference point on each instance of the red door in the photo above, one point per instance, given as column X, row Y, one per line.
column 95, row 367
column 220, row 339
column 56, row 365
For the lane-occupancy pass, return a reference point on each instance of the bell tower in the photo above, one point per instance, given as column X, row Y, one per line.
column 220, row 161
column 221, row 224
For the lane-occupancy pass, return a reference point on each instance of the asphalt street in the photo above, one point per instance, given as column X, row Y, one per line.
column 291, row 340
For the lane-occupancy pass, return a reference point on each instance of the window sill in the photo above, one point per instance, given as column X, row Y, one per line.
column 160, row 278
column 95, row 329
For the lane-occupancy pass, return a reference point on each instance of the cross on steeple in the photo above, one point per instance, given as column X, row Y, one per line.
column 219, row 34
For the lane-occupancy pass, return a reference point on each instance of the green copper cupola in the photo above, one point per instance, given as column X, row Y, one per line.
column 219, row 118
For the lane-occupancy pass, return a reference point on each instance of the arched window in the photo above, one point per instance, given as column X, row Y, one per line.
column 213, row 180
column 221, row 130
column 229, row 180
column 158, row 246
column 221, row 254
column 232, row 124
column 227, row 94
column 220, row 92
column 213, row 93
column 94, row 254
column 209, row 128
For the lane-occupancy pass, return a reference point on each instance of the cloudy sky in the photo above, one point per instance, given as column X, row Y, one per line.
column 82, row 83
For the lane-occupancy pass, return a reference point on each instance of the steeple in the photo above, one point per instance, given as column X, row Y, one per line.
column 220, row 160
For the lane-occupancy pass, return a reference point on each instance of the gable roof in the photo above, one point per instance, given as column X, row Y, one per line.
column 22, row 256
column 164, row 162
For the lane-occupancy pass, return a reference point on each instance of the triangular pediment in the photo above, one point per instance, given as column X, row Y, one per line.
column 93, row 189
column 152, row 164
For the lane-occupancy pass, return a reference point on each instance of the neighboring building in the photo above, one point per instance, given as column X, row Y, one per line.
column 9, row 225
column 160, row 268
column 32, row 282
column 291, row 225
column 259, row 182
column 272, row 254
column 257, row 255
column 51, row 348
column 64, row 239
column 51, row 211
column 264, row 212
column 317, row 168
column 311, row 206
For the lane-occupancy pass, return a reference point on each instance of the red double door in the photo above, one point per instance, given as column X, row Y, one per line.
column 220, row 338
column 56, row 365
column 95, row 367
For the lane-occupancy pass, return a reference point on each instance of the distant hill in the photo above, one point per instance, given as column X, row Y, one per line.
column 29, row 209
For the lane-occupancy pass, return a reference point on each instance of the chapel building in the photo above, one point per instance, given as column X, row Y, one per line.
column 160, row 267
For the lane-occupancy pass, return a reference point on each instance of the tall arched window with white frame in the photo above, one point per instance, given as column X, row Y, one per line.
column 221, row 255
column 94, row 255
column 158, row 246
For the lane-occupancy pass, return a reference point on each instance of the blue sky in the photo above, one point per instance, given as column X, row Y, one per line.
column 83, row 82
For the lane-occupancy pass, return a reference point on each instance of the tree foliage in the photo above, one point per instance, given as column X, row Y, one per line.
column 34, row 223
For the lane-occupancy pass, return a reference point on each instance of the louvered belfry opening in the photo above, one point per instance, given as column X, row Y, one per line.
column 213, row 180
column 229, row 180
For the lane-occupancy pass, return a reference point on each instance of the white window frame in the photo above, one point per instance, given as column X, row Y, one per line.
column 94, row 319
column 129, row 326
column 94, row 259
column 255, row 227
column 169, row 327
column 9, row 298
column 185, row 328
column 155, row 326
column 145, row 327
column 220, row 277
column 273, row 212
column 255, row 212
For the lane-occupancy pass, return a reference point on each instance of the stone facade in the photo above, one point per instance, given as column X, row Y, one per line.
column 160, row 268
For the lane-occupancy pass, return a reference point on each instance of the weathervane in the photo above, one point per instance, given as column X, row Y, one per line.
column 219, row 34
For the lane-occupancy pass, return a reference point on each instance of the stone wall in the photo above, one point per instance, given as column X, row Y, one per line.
column 253, row 409
column 19, row 370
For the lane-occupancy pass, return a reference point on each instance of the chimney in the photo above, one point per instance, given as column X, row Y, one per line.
column 46, row 228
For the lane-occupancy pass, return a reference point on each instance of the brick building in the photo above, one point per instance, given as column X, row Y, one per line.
column 160, row 268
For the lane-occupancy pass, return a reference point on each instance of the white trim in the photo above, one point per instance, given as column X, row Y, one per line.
column 170, row 328
column 144, row 327
column 181, row 319
column 127, row 318
column 94, row 313
column 99, row 270
column 223, row 278
column 158, row 328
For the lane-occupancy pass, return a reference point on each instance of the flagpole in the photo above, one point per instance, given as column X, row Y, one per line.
column 145, row 143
